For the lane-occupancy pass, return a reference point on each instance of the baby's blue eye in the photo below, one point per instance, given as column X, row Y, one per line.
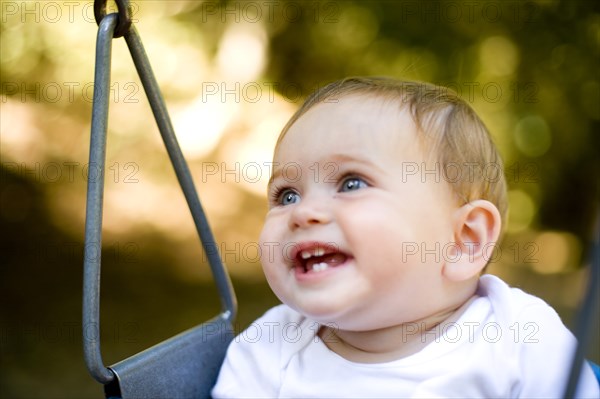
column 288, row 197
column 352, row 184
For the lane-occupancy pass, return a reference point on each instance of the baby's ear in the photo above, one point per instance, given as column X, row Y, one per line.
column 476, row 231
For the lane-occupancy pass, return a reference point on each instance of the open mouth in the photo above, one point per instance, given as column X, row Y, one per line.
column 317, row 258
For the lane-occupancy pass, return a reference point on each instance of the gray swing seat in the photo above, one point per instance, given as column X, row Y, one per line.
column 186, row 365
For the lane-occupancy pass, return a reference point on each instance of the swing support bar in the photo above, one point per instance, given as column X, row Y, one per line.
column 111, row 26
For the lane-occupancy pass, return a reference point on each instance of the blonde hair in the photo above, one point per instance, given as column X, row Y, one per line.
column 450, row 128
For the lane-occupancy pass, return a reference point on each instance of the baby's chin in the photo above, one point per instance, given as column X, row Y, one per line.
column 324, row 314
column 333, row 318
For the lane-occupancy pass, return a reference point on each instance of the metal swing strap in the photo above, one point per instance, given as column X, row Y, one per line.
column 111, row 26
column 588, row 316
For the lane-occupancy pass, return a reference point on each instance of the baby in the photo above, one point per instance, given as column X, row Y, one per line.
column 380, row 224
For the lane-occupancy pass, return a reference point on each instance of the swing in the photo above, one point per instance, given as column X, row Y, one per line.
column 186, row 365
column 588, row 316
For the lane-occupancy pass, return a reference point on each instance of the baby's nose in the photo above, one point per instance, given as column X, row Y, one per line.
column 309, row 212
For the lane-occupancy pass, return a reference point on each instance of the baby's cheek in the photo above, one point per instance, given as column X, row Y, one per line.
column 266, row 241
column 270, row 253
column 360, row 219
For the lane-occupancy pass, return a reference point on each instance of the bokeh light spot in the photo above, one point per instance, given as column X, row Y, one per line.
column 555, row 252
column 498, row 56
column 522, row 210
column 532, row 136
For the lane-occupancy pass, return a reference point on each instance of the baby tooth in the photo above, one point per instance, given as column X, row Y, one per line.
column 319, row 267
column 319, row 252
column 305, row 254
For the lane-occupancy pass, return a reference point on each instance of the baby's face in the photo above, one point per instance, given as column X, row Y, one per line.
column 351, row 237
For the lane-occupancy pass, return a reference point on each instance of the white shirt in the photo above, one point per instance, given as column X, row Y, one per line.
column 506, row 344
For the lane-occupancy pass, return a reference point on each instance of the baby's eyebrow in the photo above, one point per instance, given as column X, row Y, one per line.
column 356, row 159
column 350, row 158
